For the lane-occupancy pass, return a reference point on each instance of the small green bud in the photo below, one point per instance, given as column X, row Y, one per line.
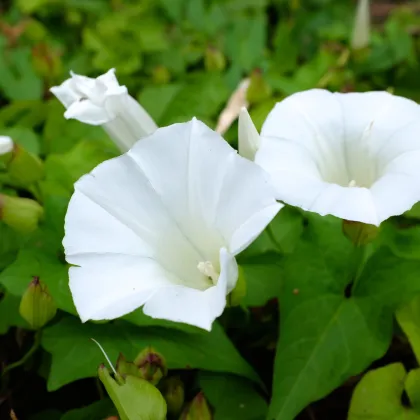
column 360, row 233
column 24, row 168
column 239, row 292
column 173, row 391
column 37, row 306
column 214, row 60
column 133, row 397
column 125, row 368
column 198, row 409
column 21, row 214
column 151, row 365
column 161, row 75
column 258, row 89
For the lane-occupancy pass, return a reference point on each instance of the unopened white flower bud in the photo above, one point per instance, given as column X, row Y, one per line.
column 102, row 101
column 248, row 137
column 6, row 145
column 361, row 31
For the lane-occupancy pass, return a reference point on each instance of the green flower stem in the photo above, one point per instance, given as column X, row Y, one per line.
column 27, row 356
column 362, row 253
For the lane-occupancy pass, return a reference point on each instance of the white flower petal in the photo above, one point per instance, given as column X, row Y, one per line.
column 110, row 286
column 119, row 190
column 109, row 80
column 87, row 112
column 87, row 87
column 248, row 137
column 65, row 93
column 6, row 145
column 84, row 224
column 203, row 176
column 195, row 307
column 160, row 215
column 332, row 153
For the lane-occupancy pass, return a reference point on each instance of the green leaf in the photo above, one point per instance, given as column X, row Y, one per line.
column 408, row 317
column 286, row 229
column 140, row 319
column 389, row 280
column 165, row 93
column 246, row 41
column 232, row 397
column 62, row 171
column 316, row 354
column 61, row 135
column 202, row 96
column 412, row 387
column 84, row 157
column 280, row 236
column 24, row 137
column 30, row 263
column 261, row 262
column 9, row 245
column 174, row 8
column 9, row 313
column 263, row 281
column 75, row 356
column 134, row 397
column 378, row 396
column 47, row 415
column 96, row 411
column 18, row 80
column 414, row 212
column 23, row 113
column 152, row 36
column 404, row 243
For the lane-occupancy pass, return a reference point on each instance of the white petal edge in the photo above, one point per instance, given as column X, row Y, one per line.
column 65, row 93
column 87, row 112
column 110, row 286
column 195, row 307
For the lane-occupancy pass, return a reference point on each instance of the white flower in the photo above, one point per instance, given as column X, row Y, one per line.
column 6, row 145
column 102, row 101
column 160, row 226
column 361, row 30
column 353, row 155
column 248, row 137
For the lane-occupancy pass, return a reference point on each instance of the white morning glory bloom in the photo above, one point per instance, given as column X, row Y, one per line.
column 353, row 155
column 6, row 145
column 160, row 226
column 102, row 101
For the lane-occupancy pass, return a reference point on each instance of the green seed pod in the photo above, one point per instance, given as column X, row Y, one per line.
column 37, row 306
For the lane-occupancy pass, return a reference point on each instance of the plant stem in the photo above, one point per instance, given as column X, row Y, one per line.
column 26, row 357
column 362, row 254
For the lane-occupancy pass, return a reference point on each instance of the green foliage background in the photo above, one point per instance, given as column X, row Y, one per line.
column 183, row 58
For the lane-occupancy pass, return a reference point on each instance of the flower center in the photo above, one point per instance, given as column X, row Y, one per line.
column 350, row 165
column 206, row 268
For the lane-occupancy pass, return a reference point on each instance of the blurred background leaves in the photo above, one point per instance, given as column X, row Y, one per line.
column 184, row 58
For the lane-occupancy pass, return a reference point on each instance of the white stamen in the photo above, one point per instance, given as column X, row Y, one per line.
column 352, row 183
column 206, row 268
